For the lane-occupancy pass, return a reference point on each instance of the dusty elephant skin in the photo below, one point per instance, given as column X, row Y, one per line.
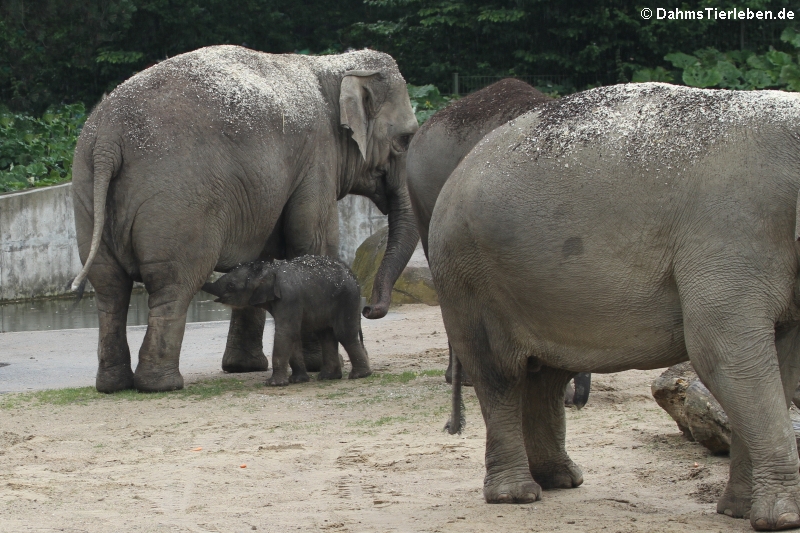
column 222, row 156
column 441, row 144
column 308, row 293
column 632, row 226
column 449, row 135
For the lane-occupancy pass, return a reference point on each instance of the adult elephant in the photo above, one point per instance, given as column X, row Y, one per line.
column 221, row 156
column 443, row 141
column 632, row 226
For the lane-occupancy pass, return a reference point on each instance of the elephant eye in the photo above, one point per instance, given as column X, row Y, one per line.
column 401, row 142
column 230, row 287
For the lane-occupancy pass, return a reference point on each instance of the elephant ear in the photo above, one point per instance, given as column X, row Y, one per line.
column 267, row 290
column 352, row 105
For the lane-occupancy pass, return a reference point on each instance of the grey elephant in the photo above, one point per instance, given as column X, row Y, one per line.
column 226, row 155
column 308, row 293
column 632, row 226
column 440, row 145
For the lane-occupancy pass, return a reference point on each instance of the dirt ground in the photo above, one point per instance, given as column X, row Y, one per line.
column 347, row 456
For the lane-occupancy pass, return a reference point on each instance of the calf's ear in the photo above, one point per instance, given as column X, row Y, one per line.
column 267, row 290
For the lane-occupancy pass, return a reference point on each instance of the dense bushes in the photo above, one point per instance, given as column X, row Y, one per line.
column 38, row 151
column 67, row 51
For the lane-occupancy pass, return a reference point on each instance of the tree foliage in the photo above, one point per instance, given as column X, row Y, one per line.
column 56, row 51
column 36, row 152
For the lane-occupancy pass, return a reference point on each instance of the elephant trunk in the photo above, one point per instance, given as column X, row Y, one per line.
column 400, row 246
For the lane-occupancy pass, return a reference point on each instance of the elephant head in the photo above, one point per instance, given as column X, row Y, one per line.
column 251, row 284
column 375, row 107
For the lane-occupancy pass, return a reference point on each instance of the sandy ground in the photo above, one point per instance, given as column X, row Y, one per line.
column 346, row 456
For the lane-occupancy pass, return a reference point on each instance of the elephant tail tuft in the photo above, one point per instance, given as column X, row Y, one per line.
column 458, row 420
column 107, row 160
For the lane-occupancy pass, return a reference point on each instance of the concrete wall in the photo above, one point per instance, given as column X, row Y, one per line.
column 39, row 252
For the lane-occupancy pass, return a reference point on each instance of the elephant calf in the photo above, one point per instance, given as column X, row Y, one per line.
column 309, row 293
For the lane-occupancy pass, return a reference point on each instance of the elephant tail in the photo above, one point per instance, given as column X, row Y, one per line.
column 457, row 420
column 107, row 160
column 583, row 382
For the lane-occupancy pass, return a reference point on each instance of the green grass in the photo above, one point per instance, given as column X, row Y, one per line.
column 81, row 396
column 212, row 388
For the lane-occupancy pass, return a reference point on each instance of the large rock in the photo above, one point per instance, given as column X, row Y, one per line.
column 415, row 284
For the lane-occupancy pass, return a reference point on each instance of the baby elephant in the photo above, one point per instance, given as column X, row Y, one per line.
column 309, row 293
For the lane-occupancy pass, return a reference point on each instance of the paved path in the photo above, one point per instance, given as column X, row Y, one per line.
column 35, row 360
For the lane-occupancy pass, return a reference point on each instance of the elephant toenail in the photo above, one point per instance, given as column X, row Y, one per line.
column 761, row 524
column 728, row 512
column 787, row 520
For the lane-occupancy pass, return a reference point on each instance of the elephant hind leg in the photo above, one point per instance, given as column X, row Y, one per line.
column 736, row 355
column 168, row 302
column 544, row 428
column 331, row 365
column 112, row 287
column 737, row 498
column 244, row 350
column 499, row 388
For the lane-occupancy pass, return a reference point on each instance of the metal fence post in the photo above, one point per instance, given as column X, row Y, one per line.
column 455, row 83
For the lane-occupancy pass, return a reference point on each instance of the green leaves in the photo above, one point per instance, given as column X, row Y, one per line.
column 426, row 100
column 737, row 69
column 38, row 151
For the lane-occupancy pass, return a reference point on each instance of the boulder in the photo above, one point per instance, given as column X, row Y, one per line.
column 415, row 284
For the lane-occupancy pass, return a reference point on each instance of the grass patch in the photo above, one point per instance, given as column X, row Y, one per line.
column 382, row 421
column 81, row 396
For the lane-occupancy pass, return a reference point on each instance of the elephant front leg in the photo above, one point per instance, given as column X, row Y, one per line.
column 244, row 351
column 112, row 296
column 544, row 429
column 287, row 348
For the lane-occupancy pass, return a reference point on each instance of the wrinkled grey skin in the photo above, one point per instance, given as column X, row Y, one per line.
column 308, row 293
column 221, row 156
column 440, row 145
column 630, row 227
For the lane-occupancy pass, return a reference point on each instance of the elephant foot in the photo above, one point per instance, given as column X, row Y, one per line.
column 299, row 377
column 777, row 512
column 357, row 373
column 323, row 376
column 236, row 360
column 155, row 381
column 114, row 379
column 565, row 476
column 278, row 381
column 736, row 501
column 526, row 491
